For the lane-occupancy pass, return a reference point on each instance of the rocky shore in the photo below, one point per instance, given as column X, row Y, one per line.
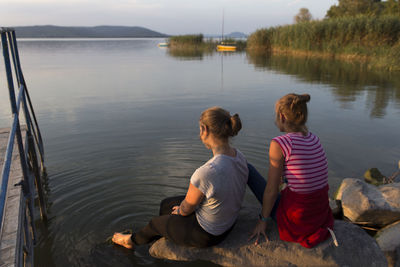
column 367, row 229
column 356, row 248
column 375, row 209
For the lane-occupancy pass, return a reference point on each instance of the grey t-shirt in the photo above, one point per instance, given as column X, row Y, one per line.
column 223, row 181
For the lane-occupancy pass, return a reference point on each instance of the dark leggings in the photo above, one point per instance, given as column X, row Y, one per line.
column 257, row 185
column 182, row 230
column 185, row 230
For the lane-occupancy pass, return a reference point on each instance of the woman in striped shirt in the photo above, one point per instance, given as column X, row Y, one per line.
column 302, row 209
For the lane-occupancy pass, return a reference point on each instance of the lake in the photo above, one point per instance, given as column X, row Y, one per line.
column 119, row 118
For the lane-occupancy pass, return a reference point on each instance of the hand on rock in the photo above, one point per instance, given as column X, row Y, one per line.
column 258, row 231
column 175, row 210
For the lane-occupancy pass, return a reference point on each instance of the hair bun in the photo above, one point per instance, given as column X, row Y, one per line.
column 236, row 124
column 220, row 122
column 305, row 98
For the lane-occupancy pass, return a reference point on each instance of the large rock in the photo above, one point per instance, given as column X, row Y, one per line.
column 368, row 204
column 388, row 239
column 356, row 248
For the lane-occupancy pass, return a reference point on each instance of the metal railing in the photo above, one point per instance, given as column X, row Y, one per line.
column 31, row 151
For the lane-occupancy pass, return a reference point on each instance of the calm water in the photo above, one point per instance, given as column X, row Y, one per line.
column 119, row 120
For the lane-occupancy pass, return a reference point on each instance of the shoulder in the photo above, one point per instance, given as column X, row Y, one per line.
column 285, row 139
column 203, row 178
column 313, row 136
column 240, row 156
column 285, row 143
column 206, row 170
column 313, row 139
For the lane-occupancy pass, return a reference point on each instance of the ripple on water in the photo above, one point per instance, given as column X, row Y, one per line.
column 119, row 187
column 89, row 202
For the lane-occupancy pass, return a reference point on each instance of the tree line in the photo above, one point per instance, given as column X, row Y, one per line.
column 364, row 7
column 348, row 8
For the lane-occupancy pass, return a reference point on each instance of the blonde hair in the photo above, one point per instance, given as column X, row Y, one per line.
column 220, row 123
column 294, row 108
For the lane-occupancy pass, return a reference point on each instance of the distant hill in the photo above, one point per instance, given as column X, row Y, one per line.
column 229, row 35
column 236, row 35
column 50, row 31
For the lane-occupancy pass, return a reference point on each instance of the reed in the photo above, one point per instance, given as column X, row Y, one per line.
column 198, row 42
column 373, row 38
column 186, row 40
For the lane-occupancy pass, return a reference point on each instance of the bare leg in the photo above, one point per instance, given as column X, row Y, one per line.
column 123, row 240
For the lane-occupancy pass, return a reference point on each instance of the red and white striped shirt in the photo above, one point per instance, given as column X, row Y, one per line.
column 306, row 166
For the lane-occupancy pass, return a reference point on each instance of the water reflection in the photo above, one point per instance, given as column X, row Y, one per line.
column 188, row 53
column 197, row 54
column 350, row 81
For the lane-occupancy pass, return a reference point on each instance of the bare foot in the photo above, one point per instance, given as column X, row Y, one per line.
column 123, row 240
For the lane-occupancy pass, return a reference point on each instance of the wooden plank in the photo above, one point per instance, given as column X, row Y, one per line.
column 11, row 230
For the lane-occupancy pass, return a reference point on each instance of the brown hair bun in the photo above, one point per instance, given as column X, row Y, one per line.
column 220, row 122
column 236, row 124
column 305, row 98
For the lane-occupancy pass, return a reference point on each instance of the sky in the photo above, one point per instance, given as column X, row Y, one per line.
column 166, row 16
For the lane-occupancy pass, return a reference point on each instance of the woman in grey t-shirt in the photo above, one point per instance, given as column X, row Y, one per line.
column 209, row 210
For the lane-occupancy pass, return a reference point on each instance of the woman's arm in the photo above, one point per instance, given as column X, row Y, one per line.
column 271, row 191
column 193, row 198
column 274, row 178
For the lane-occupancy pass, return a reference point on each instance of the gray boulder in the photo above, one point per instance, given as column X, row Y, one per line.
column 368, row 204
column 356, row 248
column 388, row 239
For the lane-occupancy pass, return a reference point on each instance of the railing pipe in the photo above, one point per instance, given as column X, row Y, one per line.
column 13, row 53
column 9, row 73
column 15, row 131
column 27, row 152
column 39, row 140
column 7, row 163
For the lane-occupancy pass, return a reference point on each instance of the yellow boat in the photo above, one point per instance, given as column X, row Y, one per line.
column 226, row 47
column 163, row 45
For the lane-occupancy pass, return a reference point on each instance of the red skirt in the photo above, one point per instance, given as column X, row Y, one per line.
column 304, row 218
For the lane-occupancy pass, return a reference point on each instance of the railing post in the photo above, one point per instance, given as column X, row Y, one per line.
column 21, row 150
column 38, row 180
column 10, row 146
column 21, row 79
column 31, row 130
column 27, row 153
column 10, row 81
column 13, row 53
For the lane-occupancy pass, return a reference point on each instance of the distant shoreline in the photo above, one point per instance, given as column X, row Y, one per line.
column 52, row 31
column 85, row 38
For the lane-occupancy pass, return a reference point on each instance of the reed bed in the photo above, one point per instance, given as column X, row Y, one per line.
column 375, row 39
column 198, row 42
column 186, row 40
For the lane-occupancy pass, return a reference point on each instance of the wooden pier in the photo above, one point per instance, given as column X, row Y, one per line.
column 12, row 224
column 21, row 164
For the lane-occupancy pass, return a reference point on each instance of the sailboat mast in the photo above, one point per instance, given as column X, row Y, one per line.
column 222, row 37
